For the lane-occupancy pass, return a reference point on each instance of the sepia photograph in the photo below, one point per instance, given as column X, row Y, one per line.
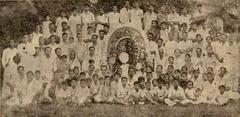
column 119, row 58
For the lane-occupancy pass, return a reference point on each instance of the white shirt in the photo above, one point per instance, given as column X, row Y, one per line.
column 87, row 17
column 73, row 21
column 148, row 18
column 136, row 16
column 7, row 56
column 102, row 19
column 114, row 19
column 125, row 15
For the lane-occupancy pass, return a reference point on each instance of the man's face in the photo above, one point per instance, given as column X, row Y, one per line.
column 184, row 77
column 30, row 76
column 101, row 34
column 149, row 76
column 209, row 50
column 159, row 69
column 53, row 39
column 71, row 74
column 159, row 42
column 59, row 52
column 175, row 83
column 86, row 9
column 38, row 29
column 91, row 68
column 104, row 69
column 94, row 38
column 127, row 4
column 64, row 25
column 163, row 26
column 48, row 51
column 74, row 83
column 64, row 37
column 222, row 71
column 198, row 51
column 21, row 70
column 12, row 44
column 79, row 37
column 124, row 81
column 101, row 11
column 148, row 85
column 196, row 74
column 151, row 8
column 136, row 86
column 189, row 85
column 74, row 12
column 72, row 55
column 51, row 27
column 155, row 83
column 177, row 53
column 91, row 51
column 136, row 4
column 170, row 60
column 115, row 9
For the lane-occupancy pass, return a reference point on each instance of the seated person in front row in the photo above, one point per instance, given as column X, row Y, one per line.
column 175, row 95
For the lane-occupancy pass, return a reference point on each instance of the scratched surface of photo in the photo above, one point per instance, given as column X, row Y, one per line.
column 119, row 58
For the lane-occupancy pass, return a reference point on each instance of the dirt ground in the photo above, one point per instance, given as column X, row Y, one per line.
column 232, row 109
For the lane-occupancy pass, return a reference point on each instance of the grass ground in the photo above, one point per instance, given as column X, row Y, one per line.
column 106, row 110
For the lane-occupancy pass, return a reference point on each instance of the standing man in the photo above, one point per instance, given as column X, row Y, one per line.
column 149, row 16
column 101, row 20
column 87, row 19
column 114, row 18
column 47, row 65
column 136, row 16
column 125, row 13
column 74, row 19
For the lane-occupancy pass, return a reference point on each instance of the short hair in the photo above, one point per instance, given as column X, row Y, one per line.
column 222, row 86
column 29, row 72
column 141, row 78
column 64, row 33
column 136, row 83
column 65, row 82
column 124, row 78
column 82, row 73
column 48, row 47
column 63, row 56
column 37, row 71
column 102, row 31
column 91, row 47
column 95, row 35
column 70, row 70
column 58, row 49
column 20, row 67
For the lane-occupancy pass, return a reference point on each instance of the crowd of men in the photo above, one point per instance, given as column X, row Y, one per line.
column 65, row 62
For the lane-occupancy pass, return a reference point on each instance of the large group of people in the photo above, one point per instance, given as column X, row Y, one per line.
column 187, row 59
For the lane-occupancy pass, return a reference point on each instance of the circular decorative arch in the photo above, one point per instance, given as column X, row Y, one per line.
column 126, row 33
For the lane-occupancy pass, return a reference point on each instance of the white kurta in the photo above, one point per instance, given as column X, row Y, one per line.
column 136, row 16
column 125, row 15
column 114, row 20
column 102, row 19
column 148, row 18
column 73, row 21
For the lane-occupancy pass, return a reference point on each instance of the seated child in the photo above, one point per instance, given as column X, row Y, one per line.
column 175, row 95
column 83, row 93
column 122, row 92
column 99, row 96
column 161, row 92
column 149, row 93
column 191, row 93
column 63, row 95
column 134, row 96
